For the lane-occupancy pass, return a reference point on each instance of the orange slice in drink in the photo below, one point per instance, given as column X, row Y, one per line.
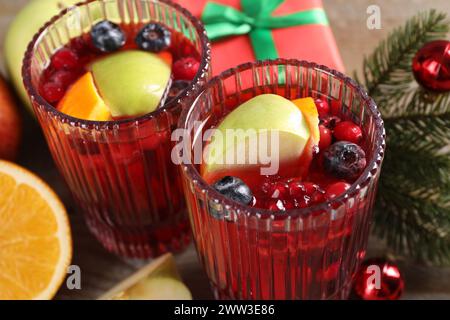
column 309, row 110
column 83, row 101
column 35, row 240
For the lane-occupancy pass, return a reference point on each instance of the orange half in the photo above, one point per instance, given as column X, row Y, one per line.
column 35, row 240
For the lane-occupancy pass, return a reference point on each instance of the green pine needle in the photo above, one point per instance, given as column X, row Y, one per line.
column 413, row 207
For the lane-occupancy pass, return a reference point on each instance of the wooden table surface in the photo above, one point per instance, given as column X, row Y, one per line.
column 101, row 270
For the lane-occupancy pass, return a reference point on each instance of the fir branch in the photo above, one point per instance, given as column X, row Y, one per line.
column 413, row 207
column 389, row 67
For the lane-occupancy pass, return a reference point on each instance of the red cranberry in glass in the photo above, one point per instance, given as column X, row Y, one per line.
column 336, row 189
column 64, row 59
column 52, row 91
column 325, row 137
column 63, row 77
column 348, row 131
column 330, row 121
column 431, row 66
column 186, row 68
column 336, row 107
column 322, row 107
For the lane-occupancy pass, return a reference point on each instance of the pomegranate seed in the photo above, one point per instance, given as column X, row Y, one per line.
column 325, row 137
column 310, row 188
column 279, row 190
column 52, row 92
column 348, row 131
column 289, row 205
column 322, row 107
column 276, row 205
column 185, row 68
column 336, row 189
column 64, row 59
column 296, row 189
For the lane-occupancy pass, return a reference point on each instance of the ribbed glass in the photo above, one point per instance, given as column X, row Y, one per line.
column 312, row 253
column 119, row 172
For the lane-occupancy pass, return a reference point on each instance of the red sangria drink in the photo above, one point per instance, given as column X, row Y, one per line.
column 108, row 80
column 281, row 196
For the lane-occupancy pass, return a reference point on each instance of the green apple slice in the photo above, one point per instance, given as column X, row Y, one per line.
column 131, row 82
column 264, row 113
column 157, row 281
column 20, row 33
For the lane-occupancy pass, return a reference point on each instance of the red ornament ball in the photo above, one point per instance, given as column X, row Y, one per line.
column 378, row 279
column 431, row 66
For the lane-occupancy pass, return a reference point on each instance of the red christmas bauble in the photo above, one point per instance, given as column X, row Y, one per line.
column 431, row 66
column 378, row 279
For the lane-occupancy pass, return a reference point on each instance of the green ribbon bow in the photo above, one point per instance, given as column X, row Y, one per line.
column 256, row 20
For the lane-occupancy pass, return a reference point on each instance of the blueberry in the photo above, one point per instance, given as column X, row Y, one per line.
column 177, row 87
column 107, row 36
column 344, row 160
column 154, row 38
column 235, row 189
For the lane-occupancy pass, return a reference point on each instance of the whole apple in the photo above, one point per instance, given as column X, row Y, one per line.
column 10, row 124
column 20, row 33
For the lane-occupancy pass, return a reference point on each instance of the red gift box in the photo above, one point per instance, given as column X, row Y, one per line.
column 312, row 42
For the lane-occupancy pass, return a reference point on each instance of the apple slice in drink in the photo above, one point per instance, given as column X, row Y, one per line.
column 265, row 114
column 132, row 82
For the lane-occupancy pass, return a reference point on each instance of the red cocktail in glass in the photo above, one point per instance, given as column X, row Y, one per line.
column 118, row 166
column 301, row 233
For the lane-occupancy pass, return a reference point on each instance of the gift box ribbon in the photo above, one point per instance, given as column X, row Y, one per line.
column 257, row 20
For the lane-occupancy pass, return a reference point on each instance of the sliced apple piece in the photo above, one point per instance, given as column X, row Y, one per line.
column 132, row 82
column 84, row 102
column 263, row 113
column 157, row 281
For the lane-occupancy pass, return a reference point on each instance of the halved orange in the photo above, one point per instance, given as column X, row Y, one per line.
column 35, row 239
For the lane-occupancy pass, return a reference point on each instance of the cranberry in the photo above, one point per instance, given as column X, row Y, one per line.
column 336, row 189
column 325, row 137
column 62, row 77
column 348, row 131
column 53, row 92
column 185, row 68
column 322, row 107
column 330, row 122
column 336, row 106
column 64, row 59
column 79, row 45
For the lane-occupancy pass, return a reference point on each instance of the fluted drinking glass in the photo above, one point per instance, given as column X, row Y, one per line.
column 312, row 253
column 119, row 172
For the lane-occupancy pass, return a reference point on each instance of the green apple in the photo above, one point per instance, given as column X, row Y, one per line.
column 266, row 113
column 159, row 288
column 159, row 280
column 20, row 33
column 131, row 82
